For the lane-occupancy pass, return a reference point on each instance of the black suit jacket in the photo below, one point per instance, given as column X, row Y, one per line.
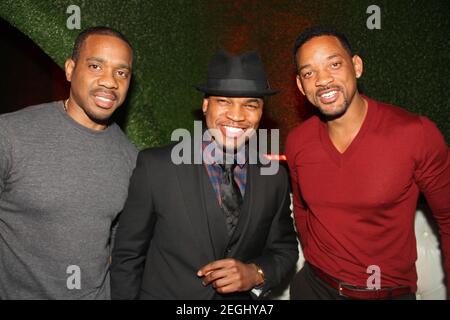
column 172, row 225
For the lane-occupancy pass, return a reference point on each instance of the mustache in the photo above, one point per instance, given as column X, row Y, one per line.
column 104, row 91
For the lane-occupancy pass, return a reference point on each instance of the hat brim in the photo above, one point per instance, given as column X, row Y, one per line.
column 236, row 93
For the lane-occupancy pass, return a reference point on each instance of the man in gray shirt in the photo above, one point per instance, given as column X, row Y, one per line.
column 64, row 174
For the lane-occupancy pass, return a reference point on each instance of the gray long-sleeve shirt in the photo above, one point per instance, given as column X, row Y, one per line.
column 61, row 186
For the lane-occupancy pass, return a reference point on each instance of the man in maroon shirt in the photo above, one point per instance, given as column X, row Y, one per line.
column 357, row 171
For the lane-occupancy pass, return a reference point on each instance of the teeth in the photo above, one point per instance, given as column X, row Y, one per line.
column 329, row 94
column 103, row 99
column 233, row 129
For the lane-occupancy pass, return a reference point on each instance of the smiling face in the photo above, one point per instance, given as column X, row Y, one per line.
column 99, row 79
column 232, row 119
column 327, row 75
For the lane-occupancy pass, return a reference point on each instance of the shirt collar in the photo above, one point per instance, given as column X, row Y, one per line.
column 214, row 153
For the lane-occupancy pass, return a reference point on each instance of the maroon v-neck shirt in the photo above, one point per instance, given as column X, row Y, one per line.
column 356, row 209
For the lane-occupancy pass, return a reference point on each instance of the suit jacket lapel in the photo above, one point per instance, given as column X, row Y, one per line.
column 205, row 214
column 190, row 181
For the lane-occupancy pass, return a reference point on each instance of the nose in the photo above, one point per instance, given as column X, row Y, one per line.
column 235, row 113
column 323, row 79
column 108, row 80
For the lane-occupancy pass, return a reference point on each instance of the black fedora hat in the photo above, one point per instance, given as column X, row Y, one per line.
column 236, row 76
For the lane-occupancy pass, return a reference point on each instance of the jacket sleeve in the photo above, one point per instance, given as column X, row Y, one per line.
column 134, row 234
column 280, row 254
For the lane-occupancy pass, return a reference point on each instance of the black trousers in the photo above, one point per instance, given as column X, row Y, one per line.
column 307, row 286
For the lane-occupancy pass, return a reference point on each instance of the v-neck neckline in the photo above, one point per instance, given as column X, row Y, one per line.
column 331, row 149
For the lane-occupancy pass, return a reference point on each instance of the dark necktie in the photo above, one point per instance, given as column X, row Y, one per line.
column 231, row 197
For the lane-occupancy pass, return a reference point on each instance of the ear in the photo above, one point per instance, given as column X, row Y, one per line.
column 299, row 85
column 205, row 105
column 69, row 65
column 357, row 66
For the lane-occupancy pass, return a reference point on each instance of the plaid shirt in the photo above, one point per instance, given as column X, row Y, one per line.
column 215, row 173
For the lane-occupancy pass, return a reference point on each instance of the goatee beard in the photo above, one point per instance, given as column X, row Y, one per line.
column 337, row 113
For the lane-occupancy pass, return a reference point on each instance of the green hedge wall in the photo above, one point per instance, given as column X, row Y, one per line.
column 170, row 52
column 406, row 62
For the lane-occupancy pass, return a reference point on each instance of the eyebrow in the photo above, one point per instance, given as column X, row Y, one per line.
column 334, row 56
column 328, row 58
column 252, row 100
column 100, row 60
column 303, row 67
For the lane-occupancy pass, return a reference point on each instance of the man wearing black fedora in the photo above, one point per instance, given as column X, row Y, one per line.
column 215, row 230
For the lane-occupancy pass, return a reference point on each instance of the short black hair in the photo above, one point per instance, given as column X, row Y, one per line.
column 318, row 31
column 81, row 38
